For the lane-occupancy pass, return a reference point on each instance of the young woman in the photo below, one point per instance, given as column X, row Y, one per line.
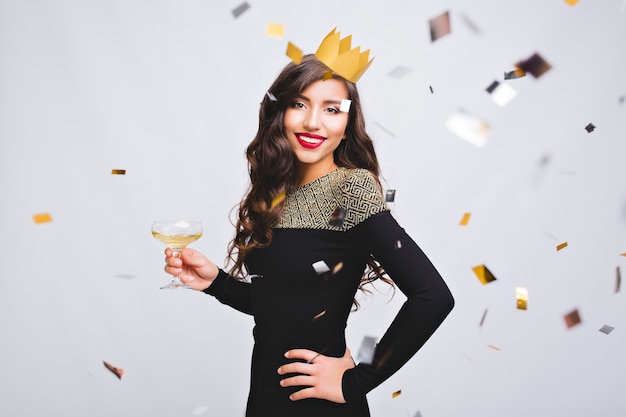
column 313, row 220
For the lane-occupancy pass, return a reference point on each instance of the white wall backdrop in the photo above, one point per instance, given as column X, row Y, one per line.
column 169, row 91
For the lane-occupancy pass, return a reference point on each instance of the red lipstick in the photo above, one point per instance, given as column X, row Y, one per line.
column 313, row 142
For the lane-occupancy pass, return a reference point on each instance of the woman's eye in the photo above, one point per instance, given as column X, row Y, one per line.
column 332, row 110
column 298, row 105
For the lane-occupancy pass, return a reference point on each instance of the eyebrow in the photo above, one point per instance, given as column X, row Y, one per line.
column 336, row 102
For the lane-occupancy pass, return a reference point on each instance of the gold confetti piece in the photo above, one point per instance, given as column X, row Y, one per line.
column 327, row 75
column 561, row 246
column 521, row 294
column 607, row 329
column 468, row 127
column 572, row 319
column 465, row 219
column 42, row 218
column 484, row 275
column 367, row 350
column 338, row 216
column 321, row 267
column 318, row 315
column 501, row 93
column 294, row 53
column 494, row 347
column 618, row 280
column 535, row 65
column 516, row 73
column 439, row 26
column 118, row 172
column 483, row 319
column 117, row 371
column 238, row 11
column 345, row 105
column 390, row 196
column 275, row 30
column 623, row 254
column 278, row 199
column 337, row 267
column 590, row 128
column 572, row 2
column 396, row 394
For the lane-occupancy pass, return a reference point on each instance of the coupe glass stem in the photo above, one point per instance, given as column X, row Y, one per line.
column 176, row 282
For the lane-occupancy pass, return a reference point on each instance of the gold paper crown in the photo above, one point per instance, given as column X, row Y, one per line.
column 337, row 55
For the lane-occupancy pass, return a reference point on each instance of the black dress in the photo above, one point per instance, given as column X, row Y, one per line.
column 303, row 285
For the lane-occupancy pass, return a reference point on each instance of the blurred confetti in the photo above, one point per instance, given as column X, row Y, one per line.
column 398, row 244
column 561, row 246
column 338, row 216
column 431, row 89
column 294, row 53
column 337, row 267
column 439, row 26
column 516, row 73
column 521, row 294
column 367, row 349
column 607, row 329
column 318, row 315
column 572, row 2
column 468, row 127
column 482, row 320
column 118, row 172
column 535, row 65
column 390, row 196
column 42, row 218
column 618, row 280
column 494, row 347
column 384, row 129
column 399, row 72
column 590, row 128
column 572, row 319
column 345, row 105
column 465, row 220
column 418, row 414
column 238, row 11
column 199, row 410
column 470, row 24
column 501, row 93
column 484, row 275
column 117, row 371
column 396, row 394
column 278, row 199
column 321, row 267
column 271, row 96
column 275, row 30
column 126, row 276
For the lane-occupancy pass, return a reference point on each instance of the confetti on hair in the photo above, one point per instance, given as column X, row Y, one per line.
column 390, row 196
column 535, row 65
column 484, row 275
column 439, row 26
column 275, row 30
column 396, row 394
column 521, row 294
column 42, row 218
column 590, row 128
column 465, row 220
column 294, row 53
column 271, row 96
column 345, row 105
column 116, row 371
column 572, row 319
column 327, row 75
column 606, row 329
column 516, row 73
column 239, row 10
column 118, row 172
column 278, row 199
column 561, row 246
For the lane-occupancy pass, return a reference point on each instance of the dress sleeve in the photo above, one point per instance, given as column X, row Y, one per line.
column 428, row 302
column 231, row 291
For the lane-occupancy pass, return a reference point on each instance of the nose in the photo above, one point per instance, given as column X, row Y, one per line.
column 311, row 120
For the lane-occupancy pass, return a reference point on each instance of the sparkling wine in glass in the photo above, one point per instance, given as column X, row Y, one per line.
column 176, row 234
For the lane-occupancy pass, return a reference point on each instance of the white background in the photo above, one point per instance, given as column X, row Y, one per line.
column 169, row 91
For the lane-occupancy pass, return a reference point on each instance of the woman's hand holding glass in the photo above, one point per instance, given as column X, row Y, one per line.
column 193, row 268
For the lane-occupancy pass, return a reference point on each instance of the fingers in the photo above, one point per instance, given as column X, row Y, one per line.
column 304, row 354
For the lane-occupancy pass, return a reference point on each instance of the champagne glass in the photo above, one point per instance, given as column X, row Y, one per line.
column 176, row 234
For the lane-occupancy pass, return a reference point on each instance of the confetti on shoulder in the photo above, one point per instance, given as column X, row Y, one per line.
column 118, row 172
column 42, row 218
column 117, row 371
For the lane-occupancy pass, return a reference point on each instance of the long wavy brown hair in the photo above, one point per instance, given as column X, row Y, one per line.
column 272, row 163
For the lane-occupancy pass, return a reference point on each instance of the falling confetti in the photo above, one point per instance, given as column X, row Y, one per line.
column 439, row 26
column 572, row 2
column 606, row 329
column 118, row 172
column 390, row 196
column 367, row 349
column 465, row 220
column 470, row 24
column 345, row 105
column 42, row 218
column 482, row 320
column 318, row 315
column 199, row 410
column 337, row 267
column 521, row 294
column 321, row 267
column 431, row 89
column 516, row 73
column 338, row 216
column 484, row 275
column 275, row 30
column 238, row 11
column 494, row 347
column 501, row 93
column 385, row 129
column 561, row 246
column 535, row 65
column 618, row 280
column 468, row 127
column 399, row 72
column 398, row 244
column 418, row 414
column 572, row 318
column 396, row 394
column 294, row 53
column 117, row 371
column 278, row 199
column 590, row 128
